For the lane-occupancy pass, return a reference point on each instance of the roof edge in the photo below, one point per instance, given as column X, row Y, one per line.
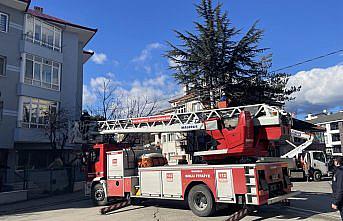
column 88, row 52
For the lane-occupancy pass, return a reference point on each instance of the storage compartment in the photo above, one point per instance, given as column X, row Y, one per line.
column 120, row 164
column 150, row 183
column 225, row 188
column 172, row 185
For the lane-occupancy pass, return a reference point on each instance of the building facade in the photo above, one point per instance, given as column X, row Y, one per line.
column 41, row 69
column 333, row 123
column 174, row 144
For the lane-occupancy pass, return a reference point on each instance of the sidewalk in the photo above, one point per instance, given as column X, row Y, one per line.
column 42, row 202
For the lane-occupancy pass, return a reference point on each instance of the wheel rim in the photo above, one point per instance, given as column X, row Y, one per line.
column 99, row 195
column 200, row 201
column 317, row 175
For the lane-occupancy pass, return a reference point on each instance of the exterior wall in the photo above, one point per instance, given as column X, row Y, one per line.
column 172, row 149
column 70, row 78
column 70, row 95
column 340, row 127
column 10, row 48
column 13, row 137
column 331, row 145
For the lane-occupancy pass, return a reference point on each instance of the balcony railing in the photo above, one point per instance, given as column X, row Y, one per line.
column 31, row 38
column 25, row 124
column 42, row 84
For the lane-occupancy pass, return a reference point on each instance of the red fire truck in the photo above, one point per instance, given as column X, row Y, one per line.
column 230, row 171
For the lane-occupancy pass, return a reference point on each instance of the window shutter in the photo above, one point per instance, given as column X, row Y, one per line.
column 3, row 22
column 2, row 66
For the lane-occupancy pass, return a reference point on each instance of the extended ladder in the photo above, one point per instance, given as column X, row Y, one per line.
column 181, row 122
column 299, row 149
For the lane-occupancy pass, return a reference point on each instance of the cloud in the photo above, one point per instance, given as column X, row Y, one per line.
column 98, row 83
column 321, row 89
column 158, row 81
column 172, row 63
column 115, row 63
column 99, row 58
column 88, row 98
column 159, row 89
column 146, row 52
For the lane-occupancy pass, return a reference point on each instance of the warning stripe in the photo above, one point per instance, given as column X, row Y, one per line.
column 238, row 215
column 115, row 207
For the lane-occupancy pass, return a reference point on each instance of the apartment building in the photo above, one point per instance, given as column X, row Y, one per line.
column 41, row 69
column 174, row 144
column 333, row 123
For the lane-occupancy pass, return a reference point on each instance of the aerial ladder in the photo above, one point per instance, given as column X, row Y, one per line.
column 298, row 149
column 223, row 125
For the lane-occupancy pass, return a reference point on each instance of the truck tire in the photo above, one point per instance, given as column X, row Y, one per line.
column 317, row 175
column 98, row 195
column 201, row 201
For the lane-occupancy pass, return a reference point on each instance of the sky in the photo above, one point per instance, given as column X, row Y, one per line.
column 132, row 35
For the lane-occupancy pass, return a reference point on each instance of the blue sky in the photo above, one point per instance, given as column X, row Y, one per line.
column 132, row 37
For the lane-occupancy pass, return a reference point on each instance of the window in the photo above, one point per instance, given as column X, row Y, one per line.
column 1, row 109
column 35, row 112
column 170, row 137
column 34, row 159
column 2, row 66
column 3, row 22
column 181, row 109
column 319, row 156
column 42, row 73
column 196, row 107
column 334, row 126
column 319, row 137
column 335, row 137
column 42, row 33
column 337, row 149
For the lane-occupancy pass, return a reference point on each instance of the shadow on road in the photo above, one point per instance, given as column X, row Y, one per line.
column 65, row 201
column 304, row 206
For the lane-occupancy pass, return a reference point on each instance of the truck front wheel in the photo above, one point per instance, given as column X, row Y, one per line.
column 200, row 201
column 317, row 175
column 98, row 195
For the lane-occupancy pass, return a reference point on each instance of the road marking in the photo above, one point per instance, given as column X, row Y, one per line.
column 297, row 198
column 313, row 211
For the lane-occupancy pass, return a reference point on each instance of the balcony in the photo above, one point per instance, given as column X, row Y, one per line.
column 30, row 135
column 24, row 89
column 30, row 47
column 48, row 45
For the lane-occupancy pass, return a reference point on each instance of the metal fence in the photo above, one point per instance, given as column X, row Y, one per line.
column 41, row 182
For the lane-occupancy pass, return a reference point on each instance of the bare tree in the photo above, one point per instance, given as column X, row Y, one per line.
column 57, row 128
column 139, row 106
column 107, row 99
column 113, row 103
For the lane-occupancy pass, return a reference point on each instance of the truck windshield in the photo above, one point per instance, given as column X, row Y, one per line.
column 319, row 156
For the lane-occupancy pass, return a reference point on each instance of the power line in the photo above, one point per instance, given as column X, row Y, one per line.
column 309, row 60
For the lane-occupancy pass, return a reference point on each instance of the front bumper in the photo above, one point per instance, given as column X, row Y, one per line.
column 282, row 197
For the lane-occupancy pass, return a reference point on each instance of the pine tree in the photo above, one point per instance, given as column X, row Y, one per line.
column 212, row 61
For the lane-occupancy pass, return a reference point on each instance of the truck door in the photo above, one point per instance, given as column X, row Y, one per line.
column 319, row 162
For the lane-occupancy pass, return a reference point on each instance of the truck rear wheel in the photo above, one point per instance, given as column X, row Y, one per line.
column 98, row 195
column 200, row 201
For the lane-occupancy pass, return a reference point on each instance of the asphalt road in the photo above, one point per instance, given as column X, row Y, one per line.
column 313, row 204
